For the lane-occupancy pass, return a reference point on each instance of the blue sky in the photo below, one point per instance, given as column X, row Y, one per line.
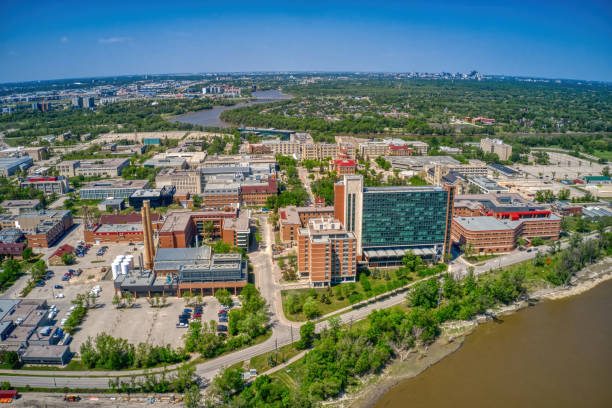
column 66, row 39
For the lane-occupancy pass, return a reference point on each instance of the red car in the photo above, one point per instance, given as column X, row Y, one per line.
column 222, row 312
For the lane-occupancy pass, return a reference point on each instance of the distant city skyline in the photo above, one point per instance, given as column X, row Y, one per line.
column 55, row 40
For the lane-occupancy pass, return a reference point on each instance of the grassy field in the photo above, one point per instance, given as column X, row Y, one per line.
column 262, row 362
column 335, row 302
column 603, row 154
column 480, row 258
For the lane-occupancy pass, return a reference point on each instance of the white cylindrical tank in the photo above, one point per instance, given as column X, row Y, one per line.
column 115, row 267
column 130, row 259
column 124, row 268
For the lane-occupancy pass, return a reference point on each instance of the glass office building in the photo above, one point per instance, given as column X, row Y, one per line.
column 394, row 217
column 389, row 221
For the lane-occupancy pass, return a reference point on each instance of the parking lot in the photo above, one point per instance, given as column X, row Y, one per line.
column 138, row 323
column 563, row 166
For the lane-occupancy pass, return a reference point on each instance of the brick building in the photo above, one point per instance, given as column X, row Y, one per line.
column 42, row 229
column 292, row 218
column 257, row 194
column 181, row 228
column 343, row 167
column 326, row 252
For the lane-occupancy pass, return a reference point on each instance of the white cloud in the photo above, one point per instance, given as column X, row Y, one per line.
column 112, row 40
column 64, row 39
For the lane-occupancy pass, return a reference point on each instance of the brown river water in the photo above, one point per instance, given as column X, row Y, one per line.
column 556, row 354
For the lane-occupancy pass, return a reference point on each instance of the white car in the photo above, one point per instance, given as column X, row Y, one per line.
column 59, row 296
column 72, row 307
column 63, row 322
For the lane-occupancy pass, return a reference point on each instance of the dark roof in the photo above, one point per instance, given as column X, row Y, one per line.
column 131, row 218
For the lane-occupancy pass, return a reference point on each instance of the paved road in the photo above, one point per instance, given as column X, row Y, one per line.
column 282, row 332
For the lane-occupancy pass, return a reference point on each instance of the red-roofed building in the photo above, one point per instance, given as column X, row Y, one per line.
column 257, row 194
column 342, row 167
column 400, row 150
column 56, row 257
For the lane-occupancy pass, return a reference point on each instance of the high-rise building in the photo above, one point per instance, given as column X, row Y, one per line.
column 77, row 102
column 389, row 221
column 326, row 252
column 90, row 102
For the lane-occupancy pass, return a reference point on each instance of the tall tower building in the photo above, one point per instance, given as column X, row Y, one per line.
column 389, row 221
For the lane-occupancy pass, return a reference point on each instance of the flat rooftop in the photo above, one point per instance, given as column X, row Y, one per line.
column 485, row 223
column 20, row 203
column 117, row 228
column 115, row 183
column 241, row 223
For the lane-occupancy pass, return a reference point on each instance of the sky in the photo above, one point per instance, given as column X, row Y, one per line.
column 71, row 39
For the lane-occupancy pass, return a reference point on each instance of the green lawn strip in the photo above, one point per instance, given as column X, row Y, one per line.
column 262, row 362
column 337, row 304
column 480, row 258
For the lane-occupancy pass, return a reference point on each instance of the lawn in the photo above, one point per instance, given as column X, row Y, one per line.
column 480, row 258
column 329, row 300
column 603, row 154
column 266, row 361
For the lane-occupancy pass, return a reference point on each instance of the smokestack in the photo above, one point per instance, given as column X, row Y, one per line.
column 146, row 225
column 151, row 240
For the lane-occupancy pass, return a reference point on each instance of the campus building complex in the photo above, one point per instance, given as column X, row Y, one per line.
column 494, row 222
column 48, row 185
column 182, row 229
column 389, row 221
column 96, row 167
column 111, row 188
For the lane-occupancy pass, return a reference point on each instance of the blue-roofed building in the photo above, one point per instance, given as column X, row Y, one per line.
column 10, row 165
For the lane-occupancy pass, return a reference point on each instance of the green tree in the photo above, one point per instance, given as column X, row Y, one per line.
column 193, row 397
column 310, row 308
column 27, row 253
column 68, row 258
column 227, row 383
column 224, row 297
column 307, row 336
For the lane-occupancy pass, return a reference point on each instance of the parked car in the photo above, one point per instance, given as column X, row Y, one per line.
column 222, row 328
column 223, row 319
column 40, row 284
column 186, row 310
column 59, row 296
column 65, row 278
column 222, row 312
column 58, row 287
column 182, row 325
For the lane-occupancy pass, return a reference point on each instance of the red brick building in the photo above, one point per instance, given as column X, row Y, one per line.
column 326, row 252
column 181, row 227
column 257, row 194
column 342, row 167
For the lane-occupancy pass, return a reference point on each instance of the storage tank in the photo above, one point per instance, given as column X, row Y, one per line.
column 124, row 268
column 115, row 267
column 130, row 259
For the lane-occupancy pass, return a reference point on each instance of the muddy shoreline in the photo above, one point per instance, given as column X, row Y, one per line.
column 454, row 334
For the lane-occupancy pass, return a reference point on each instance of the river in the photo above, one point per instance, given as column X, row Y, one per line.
column 210, row 117
column 556, row 354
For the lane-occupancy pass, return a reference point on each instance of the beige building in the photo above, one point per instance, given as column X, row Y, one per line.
column 373, row 149
column 185, row 181
column 496, row 146
column 95, row 167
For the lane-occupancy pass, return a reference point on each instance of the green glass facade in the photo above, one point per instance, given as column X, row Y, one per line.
column 405, row 217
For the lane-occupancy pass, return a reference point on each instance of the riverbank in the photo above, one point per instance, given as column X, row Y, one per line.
column 454, row 334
